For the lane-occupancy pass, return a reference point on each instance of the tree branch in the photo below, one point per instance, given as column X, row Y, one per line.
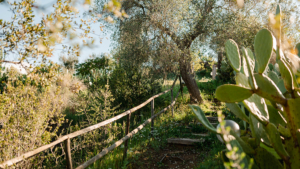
column 134, row 3
column 168, row 32
column 198, row 28
column 6, row 61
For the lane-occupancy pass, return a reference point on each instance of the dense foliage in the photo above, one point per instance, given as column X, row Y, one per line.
column 159, row 40
column 271, row 98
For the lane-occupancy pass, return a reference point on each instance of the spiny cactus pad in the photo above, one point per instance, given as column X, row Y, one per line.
column 224, row 93
column 233, row 54
column 298, row 49
column 271, row 95
column 263, row 45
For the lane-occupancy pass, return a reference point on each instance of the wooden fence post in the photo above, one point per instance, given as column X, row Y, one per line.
column 181, row 86
column 214, row 72
column 126, row 132
column 172, row 102
column 67, row 148
column 152, row 114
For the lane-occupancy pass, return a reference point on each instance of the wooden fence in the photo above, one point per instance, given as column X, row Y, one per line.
column 67, row 141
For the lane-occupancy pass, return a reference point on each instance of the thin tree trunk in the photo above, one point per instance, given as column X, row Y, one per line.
column 220, row 58
column 165, row 77
column 189, row 79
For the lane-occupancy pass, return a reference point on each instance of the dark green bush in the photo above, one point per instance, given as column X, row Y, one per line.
column 226, row 73
column 203, row 73
column 132, row 86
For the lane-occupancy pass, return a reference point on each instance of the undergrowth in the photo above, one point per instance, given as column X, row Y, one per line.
column 182, row 125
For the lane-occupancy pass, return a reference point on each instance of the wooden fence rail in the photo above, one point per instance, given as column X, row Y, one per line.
column 66, row 138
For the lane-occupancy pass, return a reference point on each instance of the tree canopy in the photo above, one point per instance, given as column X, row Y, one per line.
column 164, row 33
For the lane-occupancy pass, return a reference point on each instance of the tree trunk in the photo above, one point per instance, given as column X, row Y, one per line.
column 220, row 58
column 165, row 76
column 189, row 79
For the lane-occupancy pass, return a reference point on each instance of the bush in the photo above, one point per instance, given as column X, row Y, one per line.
column 95, row 72
column 133, row 86
column 226, row 73
column 203, row 73
column 31, row 109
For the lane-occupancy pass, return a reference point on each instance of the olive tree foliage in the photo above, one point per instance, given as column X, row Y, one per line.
column 133, row 79
column 243, row 25
column 173, row 29
column 31, row 40
column 136, row 48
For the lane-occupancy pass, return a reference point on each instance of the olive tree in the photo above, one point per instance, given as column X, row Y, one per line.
column 181, row 25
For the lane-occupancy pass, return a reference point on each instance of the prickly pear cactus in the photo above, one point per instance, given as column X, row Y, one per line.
column 271, row 95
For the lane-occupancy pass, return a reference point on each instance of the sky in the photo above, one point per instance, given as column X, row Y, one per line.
column 105, row 47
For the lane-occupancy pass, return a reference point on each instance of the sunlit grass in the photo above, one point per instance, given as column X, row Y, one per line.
column 165, row 126
column 142, row 139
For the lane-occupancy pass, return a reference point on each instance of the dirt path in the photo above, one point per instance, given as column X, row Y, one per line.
column 173, row 156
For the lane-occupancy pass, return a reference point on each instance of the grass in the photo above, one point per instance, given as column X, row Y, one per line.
column 182, row 125
column 143, row 138
column 166, row 127
column 212, row 158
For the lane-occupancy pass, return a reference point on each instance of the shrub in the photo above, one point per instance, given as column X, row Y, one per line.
column 95, row 72
column 226, row 73
column 133, row 86
column 31, row 109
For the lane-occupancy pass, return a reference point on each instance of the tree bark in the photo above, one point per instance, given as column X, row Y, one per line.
column 220, row 58
column 165, row 76
column 187, row 75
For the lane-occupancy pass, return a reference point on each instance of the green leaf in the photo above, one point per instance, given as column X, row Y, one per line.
column 244, row 161
column 202, row 118
column 246, row 147
column 298, row 49
column 275, row 116
column 294, row 111
column 276, row 142
column 278, row 10
column 223, row 156
column 244, row 68
column 268, row 89
column 270, row 150
column 249, row 58
column 233, row 54
column 258, row 107
column 266, row 160
column 272, row 75
column 236, row 110
column 256, row 67
column 271, row 67
column 231, row 93
column 285, row 132
column 263, row 45
column 242, row 80
column 281, row 87
column 258, row 131
column 286, row 75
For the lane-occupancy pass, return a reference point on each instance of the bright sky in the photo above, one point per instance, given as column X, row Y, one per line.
column 6, row 14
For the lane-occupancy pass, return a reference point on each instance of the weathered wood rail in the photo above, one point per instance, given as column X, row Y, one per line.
column 67, row 138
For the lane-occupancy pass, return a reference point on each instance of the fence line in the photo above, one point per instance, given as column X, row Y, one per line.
column 66, row 138
column 129, row 135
